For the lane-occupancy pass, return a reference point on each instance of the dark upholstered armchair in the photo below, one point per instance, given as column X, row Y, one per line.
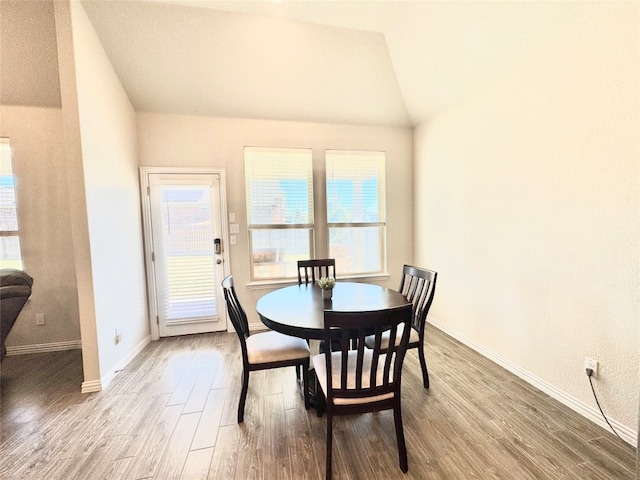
column 15, row 289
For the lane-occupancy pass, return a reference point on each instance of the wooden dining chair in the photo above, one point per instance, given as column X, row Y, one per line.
column 311, row 270
column 366, row 379
column 419, row 286
column 264, row 350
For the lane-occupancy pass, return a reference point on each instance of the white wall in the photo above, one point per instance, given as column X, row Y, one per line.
column 527, row 204
column 109, row 149
column 174, row 140
column 37, row 140
column 104, row 194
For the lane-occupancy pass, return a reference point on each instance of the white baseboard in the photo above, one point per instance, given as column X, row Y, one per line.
column 91, row 387
column 627, row 434
column 44, row 347
column 122, row 364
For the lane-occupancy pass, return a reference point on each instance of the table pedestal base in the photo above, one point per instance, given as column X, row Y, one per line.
column 316, row 398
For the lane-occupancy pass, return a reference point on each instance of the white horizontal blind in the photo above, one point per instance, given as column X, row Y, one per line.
column 187, row 242
column 10, row 254
column 279, row 189
column 279, row 186
column 356, row 210
column 355, row 187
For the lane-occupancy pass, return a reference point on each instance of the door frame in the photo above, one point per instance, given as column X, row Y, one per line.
column 147, row 236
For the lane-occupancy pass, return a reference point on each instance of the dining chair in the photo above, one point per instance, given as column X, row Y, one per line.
column 264, row 350
column 419, row 286
column 365, row 379
column 311, row 270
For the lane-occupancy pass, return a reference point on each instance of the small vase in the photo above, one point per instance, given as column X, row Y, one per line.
column 327, row 293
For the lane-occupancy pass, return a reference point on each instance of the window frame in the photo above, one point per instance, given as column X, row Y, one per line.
column 6, row 169
column 258, row 154
column 319, row 232
column 380, row 158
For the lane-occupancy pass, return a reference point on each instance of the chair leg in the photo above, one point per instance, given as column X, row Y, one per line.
column 402, row 447
column 423, row 364
column 329, row 445
column 305, row 384
column 243, row 394
column 320, row 399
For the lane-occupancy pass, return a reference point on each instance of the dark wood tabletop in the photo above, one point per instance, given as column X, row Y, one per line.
column 298, row 310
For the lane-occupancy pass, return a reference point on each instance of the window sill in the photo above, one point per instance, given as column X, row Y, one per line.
column 270, row 284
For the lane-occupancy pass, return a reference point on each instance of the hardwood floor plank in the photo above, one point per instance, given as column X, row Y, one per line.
column 150, row 447
column 616, row 451
column 197, row 465
column 174, row 457
column 274, row 433
column 183, row 389
column 299, row 442
column 250, row 465
column 521, row 464
column 225, row 455
column 348, row 460
column 200, row 391
column 96, row 464
column 278, row 468
column 209, row 425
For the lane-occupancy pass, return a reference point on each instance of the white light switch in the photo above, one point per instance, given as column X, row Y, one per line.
column 232, row 239
column 234, row 228
column 232, row 218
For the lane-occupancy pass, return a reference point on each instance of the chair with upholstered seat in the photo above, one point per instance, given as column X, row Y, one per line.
column 311, row 270
column 264, row 350
column 366, row 379
column 419, row 286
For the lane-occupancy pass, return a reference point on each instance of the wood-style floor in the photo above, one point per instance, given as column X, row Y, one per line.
column 171, row 414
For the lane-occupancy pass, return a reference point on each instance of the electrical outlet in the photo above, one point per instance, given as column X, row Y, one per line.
column 592, row 364
column 39, row 318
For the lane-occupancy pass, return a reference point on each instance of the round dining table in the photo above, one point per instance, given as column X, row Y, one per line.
column 298, row 310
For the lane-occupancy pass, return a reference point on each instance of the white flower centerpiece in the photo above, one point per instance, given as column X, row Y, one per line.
column 326, row 284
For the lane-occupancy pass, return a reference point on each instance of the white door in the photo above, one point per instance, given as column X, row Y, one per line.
column 186, row 258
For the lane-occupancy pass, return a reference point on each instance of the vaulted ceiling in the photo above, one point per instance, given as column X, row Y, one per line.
column 391, row 62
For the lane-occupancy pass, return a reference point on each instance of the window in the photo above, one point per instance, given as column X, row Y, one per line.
column 279, row 188
column 356, row 211
column 10, row 256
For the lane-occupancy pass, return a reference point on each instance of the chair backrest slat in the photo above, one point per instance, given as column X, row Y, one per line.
column 237, row 314
column 344, row 362
column 382, row 374
column 418, row 285
column 311, row 270
column 392, row 341
column 360, row 363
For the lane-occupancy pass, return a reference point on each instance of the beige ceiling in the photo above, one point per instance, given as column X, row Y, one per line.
column 360, row 62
